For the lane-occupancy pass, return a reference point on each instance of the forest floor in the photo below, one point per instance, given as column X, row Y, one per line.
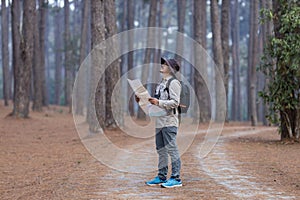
column 43, row 158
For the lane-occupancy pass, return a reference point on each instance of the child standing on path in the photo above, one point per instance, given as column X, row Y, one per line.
column 167, row 96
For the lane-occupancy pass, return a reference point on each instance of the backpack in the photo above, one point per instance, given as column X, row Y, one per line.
column 184, row 96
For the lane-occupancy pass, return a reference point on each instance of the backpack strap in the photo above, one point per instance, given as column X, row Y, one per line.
column 157, row 95
column 167, row 89
column 168, row 85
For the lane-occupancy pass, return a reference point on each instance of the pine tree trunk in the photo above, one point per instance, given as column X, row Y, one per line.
column 77, row 16
column 225, row 43
column 49, row 17
column 249, row 60
column 267, row 28
column 201, row 89
column 22, row 93
column 260, row 79
column 68, row 56
column 15, row 26
column 130, row 25
column 42, row 26
column 181, row 8
column 236, row 98
column 58, row 41
column 297, row 120
column 159, row 40
column 148, row 52
column 218, row 59
column 253, row 78
column 83, row 47
column 37, row 69
column 112, row 74
column 96, row 111
column 5, row 52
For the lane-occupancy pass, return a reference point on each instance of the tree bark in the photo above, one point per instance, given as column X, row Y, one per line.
column 260, row 75
column 5, row 52
column 83, row 49
column 235, row 32
column 37, row 68
column 201, row 89
column 225, row 43
column 58, row 41
column 297, row 120
column 130, row 25
column 181, row 8
column 96, row 111
column 67, row 62
column 249, row 60
column 267, row 28
column 22, row 93
column 16, row 40
column 42, row 26
column 159, row 41
column 148, row 52
column 254, row 46
column 112, row 74
column 218, row 59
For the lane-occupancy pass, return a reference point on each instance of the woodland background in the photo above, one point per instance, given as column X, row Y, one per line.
column 255, row 45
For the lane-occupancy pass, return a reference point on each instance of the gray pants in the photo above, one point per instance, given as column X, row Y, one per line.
column 166, row 145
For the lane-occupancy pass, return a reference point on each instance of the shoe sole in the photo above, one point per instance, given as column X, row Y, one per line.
column 180, row 185
column 153, row 184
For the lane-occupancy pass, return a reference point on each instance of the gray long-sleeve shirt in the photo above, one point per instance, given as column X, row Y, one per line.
column 169, row 104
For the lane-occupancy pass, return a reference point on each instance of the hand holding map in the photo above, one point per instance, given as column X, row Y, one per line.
column 141, row 92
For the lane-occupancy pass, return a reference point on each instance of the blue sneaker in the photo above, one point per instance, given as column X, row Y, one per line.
column 155, row 181
column 172, row 182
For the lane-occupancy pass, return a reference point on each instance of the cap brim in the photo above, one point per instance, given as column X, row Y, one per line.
column 163, row 60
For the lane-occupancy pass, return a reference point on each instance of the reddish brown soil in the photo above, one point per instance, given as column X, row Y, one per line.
column 43, row 158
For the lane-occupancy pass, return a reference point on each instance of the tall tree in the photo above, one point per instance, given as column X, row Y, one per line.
column 260, row 80
column 235, row 34
column 282, row 93
column 83, row 50
column 218, row 58
column 267, row 32
column 148, row 51
column 225, row 41
column 68, row 56
column 16, row 40
column 112, row 74
column 158, row 45
column 181, row 8
column 23, row 76
column 5, row 51
column 159, row 41
column 97, row 97
column 130, row 25
column 43, row 9
column 253, row 63
column 249, row 60
column 37, row 69
column 201, row 89
column 58, row 46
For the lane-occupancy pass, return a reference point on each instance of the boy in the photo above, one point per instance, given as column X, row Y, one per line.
column 167, row 96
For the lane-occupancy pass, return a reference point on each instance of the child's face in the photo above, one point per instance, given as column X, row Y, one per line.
column 164, row 69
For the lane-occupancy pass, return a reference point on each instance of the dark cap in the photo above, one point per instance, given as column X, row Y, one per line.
column 172, row 63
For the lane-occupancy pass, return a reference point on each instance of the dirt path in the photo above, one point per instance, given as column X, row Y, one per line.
column 43, row 158
column 225, row 171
